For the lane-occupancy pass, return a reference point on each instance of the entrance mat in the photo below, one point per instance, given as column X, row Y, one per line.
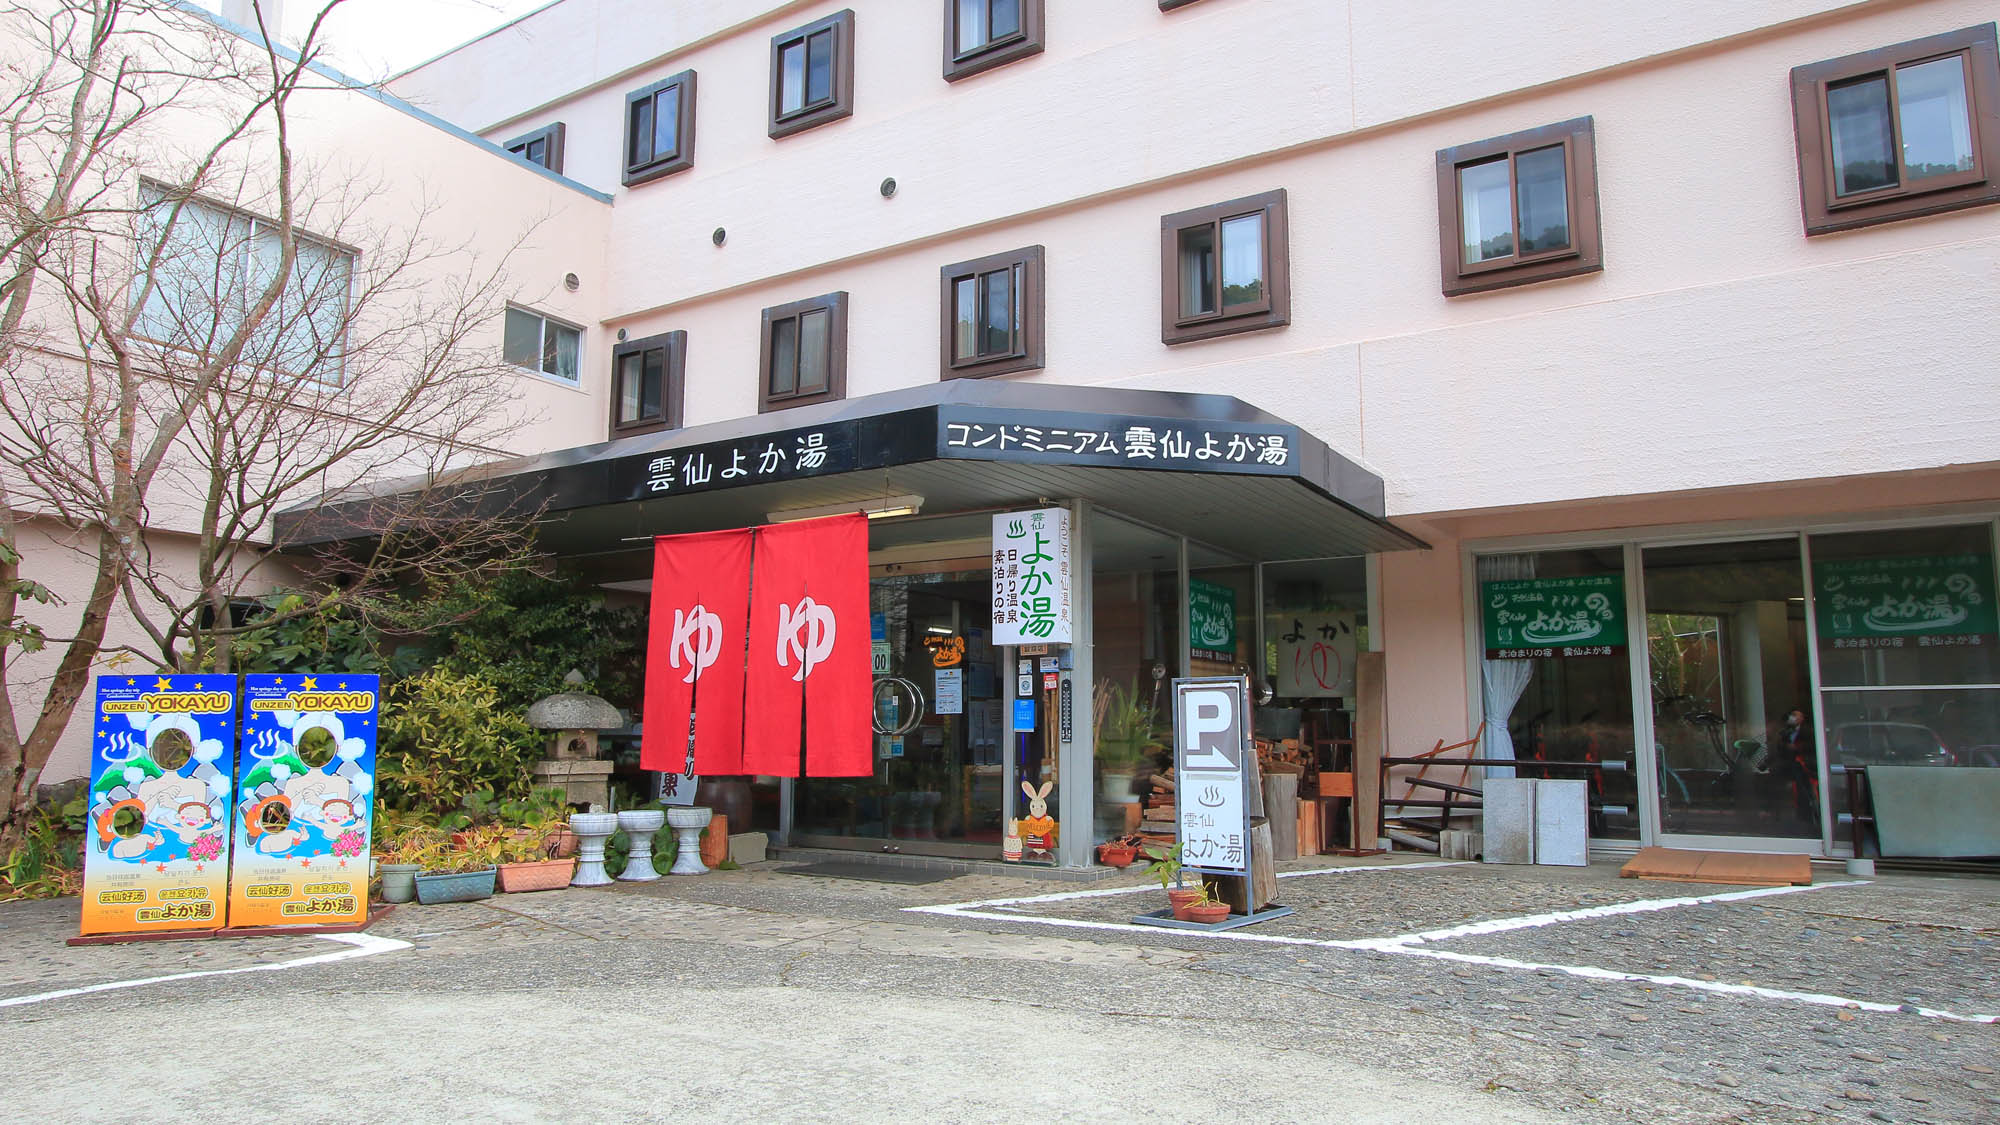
column 871, row 872
column 1750, row 869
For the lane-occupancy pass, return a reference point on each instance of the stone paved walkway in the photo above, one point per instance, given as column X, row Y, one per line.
column 1533, row 1019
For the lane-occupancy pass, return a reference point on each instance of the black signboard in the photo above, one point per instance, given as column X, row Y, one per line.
column 1116, row 441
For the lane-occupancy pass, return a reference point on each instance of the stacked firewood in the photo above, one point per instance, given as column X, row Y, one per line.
column 1157, row 825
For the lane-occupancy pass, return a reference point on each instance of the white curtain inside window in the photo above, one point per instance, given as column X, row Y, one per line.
column 1502, row 681
column 567, row 341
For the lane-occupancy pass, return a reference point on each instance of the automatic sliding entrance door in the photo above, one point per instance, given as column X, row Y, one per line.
column 1728, row 670
column 937, row 783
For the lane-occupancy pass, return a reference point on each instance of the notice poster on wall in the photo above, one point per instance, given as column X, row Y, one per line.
column 1920, row 601
column 1316, row 655
column 948, row 694
column 1031, row 577
column 156, row 847
column 1211, row 620
column 305, row 799
column 1531, row 617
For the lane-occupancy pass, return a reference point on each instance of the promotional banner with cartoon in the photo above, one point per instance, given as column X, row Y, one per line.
column 156, row 853
column 304, row 800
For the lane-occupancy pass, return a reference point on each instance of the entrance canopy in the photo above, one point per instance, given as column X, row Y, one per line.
column 1210, row 467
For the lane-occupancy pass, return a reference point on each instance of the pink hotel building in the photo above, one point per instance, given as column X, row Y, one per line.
column 1623, row 375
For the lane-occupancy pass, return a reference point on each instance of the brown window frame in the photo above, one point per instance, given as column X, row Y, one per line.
column 655, row 166
column 673, row 382
column 1025, row 352
column 835, row 306
column 1825, row 212
column 1274, row 310
column 841, row 102
column 1023, row 43
column 551, row 137
column 1585, row 252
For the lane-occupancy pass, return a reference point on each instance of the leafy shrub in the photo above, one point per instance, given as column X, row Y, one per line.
column 445, row 735
column 48, row 860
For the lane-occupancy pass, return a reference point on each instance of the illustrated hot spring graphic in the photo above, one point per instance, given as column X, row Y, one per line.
column 157, row 848
column 305, row 792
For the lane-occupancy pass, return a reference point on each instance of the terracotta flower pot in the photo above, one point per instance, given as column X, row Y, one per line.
column 715, row 846
column 1181, row 899
column 1117, row 855
column 545, row 875
column 1208, row 913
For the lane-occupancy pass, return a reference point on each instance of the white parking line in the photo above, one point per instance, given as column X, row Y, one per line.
column 362, row 945
column 1642, row 906
column 1105, row 892
column 1421, row 944
column 1592, row 973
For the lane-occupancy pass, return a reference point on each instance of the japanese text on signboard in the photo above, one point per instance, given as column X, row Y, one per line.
column 776, row 457
column 1923, row 601
column 1147, row 443
column 1530, row 617
column 1212, row 770
column 1031, row 577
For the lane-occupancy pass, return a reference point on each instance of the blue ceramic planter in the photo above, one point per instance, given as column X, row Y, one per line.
column 462, row 887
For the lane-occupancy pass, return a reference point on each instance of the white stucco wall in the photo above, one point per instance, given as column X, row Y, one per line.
column 1718, row 347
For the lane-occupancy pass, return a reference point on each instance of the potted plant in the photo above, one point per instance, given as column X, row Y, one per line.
column 1124, row 726
column 1209, row 908
column 529, row 859
column 1166, row 867
column 1122, row 852
column 463, row 870
column 406, row 847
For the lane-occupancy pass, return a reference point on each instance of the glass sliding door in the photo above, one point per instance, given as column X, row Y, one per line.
column 937, row 785
column 1135, row 629
column 1907, row 640
column 1555, row 680
column 1727, row 668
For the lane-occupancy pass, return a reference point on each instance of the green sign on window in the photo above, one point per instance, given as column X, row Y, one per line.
column 1529, row 617
column 1212, row 618
column 1918, row 600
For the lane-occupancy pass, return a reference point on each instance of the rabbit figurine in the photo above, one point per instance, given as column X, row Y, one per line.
column 1038, row 828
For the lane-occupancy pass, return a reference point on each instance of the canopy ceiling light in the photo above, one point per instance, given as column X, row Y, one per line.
column 881, row 507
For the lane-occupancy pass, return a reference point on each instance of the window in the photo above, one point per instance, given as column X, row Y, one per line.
column 804, row 353
column 544, row 146
column 1898, row 132
column 812, row 74
column 539, row 344
column 1223, row 269
column 211, row 263
column 659, row 129
column 647, row 381
column 993, row 314
column 982, row 34
column 1520, row 208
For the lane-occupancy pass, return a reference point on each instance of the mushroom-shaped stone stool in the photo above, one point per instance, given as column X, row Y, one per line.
column 591, row 829
column 687, row 822
column 639, row 826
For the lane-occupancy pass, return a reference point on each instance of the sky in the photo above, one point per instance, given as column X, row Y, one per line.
column 373, row 39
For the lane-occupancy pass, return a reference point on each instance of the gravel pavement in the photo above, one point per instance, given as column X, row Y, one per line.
column 759, row 995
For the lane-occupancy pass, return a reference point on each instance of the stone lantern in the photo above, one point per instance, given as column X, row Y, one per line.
column 574, row 718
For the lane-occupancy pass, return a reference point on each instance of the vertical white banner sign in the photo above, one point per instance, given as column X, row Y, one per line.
column 1031, row 577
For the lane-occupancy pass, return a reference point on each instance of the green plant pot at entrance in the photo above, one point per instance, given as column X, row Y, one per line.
column 399, row 881
column 456, row 886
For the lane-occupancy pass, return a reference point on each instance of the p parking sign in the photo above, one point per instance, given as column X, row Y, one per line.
column 1211, row 766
